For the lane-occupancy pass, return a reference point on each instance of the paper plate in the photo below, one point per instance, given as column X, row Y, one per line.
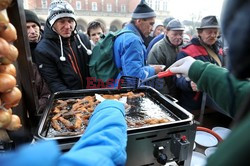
column 210, row 151
column 198, row 159
column 222, row 131
column 205, row 139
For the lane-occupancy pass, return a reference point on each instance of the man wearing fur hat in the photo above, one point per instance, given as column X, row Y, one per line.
column 129, row 50
column 164, row 53
column 63, row 54
column 205, row 48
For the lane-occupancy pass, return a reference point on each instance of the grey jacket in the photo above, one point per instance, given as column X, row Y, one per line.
column 164, row 53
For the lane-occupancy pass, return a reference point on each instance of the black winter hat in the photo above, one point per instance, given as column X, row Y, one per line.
column 32, row 17
column 209, row 22
column 143, row 11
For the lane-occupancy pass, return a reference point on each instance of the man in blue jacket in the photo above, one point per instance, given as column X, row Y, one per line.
column 129, row 49
column 103, row 143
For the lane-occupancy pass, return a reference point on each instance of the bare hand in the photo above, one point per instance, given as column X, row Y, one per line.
column 194, row 86
column 158, row 68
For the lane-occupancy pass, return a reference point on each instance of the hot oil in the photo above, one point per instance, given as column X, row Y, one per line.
column 143, row 111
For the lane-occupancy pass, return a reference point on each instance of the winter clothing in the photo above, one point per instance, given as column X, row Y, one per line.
column 231, row 94
column 63, row 75
column 153, row 41
column 189, row 99
column 209, row 22
column 167, row 20
column 130, row 54
column 103, row 143
column 60, row 9
column 32, row 17
column 236, row 30
column 142, row 10
column 175, row 25
column 43, row 92
column 164, row 53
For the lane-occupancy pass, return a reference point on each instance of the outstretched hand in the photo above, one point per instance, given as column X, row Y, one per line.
column 182, row 66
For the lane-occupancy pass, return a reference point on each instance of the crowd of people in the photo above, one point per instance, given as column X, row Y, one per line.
column 61, row 54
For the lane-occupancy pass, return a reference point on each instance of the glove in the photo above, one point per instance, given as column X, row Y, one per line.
column 182, row 66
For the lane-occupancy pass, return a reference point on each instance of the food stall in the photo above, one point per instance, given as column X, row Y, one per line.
column 152, row 141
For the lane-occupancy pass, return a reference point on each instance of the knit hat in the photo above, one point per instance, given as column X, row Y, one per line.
column 143, row 11
column 167, row 20
column 175, row 25
column 60, row 9
column 32, row 17
column 209, row 22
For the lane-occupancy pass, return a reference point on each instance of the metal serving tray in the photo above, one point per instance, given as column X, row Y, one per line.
column 180, row 115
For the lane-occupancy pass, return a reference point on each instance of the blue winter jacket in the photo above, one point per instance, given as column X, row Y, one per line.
column 130, row 54
column 103, row 143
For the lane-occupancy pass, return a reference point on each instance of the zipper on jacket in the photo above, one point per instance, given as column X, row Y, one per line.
column 75, row 64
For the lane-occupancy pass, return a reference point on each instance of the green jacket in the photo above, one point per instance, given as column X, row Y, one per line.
column 230, row 94
column 164, row 53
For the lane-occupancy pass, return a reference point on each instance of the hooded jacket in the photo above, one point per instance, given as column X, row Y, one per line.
column 189, row 99
column 130, row 54
column 63, row 75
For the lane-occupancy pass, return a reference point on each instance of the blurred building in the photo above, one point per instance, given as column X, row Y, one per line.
column 112, row 13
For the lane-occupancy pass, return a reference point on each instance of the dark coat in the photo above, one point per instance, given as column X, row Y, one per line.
column 189, row 99
column 63, row 75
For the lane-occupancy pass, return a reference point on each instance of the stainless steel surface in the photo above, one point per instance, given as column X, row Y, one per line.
column 147, row 145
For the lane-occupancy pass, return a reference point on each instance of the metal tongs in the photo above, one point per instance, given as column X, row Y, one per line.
column 134, row 82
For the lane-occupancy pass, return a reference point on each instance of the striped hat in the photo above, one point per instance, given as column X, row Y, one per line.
column 143, row 11
column 60, row 9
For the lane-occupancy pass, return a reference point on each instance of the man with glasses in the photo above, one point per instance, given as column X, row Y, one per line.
column 129, row 49
column 164, row 53
column 206, row 48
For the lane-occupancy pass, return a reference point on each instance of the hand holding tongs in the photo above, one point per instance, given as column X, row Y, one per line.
column 162, row 74
column 134, row 82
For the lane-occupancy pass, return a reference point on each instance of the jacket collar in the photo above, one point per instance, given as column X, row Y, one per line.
column 132, row 27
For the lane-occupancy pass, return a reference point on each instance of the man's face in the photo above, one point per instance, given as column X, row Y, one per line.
column 95, row 34
column 209, row 36
column 145, row 25
column 64, row 26
column 33, row 31
column 175, row 37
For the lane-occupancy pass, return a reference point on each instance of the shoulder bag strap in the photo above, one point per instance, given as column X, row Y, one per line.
column 213, row 55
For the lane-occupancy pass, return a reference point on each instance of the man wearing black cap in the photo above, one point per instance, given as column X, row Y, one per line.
column 33, row 30
column 129, row 50
column 164, row 53
column 34, row 36
column 205, row 48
